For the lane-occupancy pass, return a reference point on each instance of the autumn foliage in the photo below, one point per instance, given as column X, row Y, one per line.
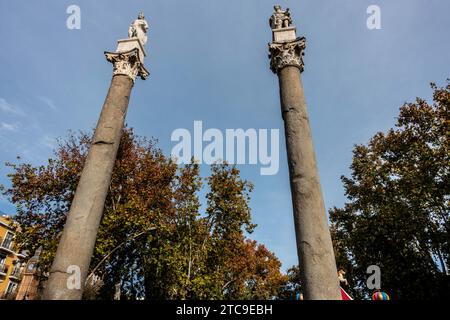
column 156, row 241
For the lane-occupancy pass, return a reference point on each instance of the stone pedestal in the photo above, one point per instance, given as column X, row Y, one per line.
column 314, row 247
column 284, row 34
column 125, row 45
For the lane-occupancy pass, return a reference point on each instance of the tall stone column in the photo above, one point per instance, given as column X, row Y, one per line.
column 314, row 247
column 71, row 264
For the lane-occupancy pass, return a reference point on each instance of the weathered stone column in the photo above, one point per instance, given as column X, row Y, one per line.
column 314, row 247
column 71, row 264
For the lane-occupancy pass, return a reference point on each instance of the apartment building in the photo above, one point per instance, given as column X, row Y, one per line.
column 12, row 263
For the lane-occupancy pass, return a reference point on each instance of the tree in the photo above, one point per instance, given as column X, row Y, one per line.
column 228, row 214
column 154, row 242
column 293, row 285
column 397, row 216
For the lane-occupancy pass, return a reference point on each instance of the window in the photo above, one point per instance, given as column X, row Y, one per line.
column 11, row 288
column 3, row 268
column 17, row 270
column 7, row 242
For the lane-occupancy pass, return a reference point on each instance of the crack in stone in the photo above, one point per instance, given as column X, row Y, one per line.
column 103, row 142
column 305, row 242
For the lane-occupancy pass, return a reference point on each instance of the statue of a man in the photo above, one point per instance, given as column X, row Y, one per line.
column 139, row 29
column 280, row 19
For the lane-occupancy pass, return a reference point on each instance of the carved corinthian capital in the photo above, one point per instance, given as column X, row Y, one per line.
column 127, row 63
column 283, row 54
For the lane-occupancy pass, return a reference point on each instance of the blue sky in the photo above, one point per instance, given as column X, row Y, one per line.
column 208, row 61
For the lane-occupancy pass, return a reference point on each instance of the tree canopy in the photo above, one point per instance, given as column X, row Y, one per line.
column 397, row 214
column 155, row 241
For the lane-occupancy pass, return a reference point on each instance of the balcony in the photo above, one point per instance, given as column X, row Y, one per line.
column 3, row 269
column 7, row 245
column 16, row 274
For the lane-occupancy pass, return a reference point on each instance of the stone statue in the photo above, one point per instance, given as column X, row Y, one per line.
column 280, row 19
column 138, row 29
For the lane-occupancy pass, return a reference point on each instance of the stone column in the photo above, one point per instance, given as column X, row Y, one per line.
column 71, row 264
column 314, row 247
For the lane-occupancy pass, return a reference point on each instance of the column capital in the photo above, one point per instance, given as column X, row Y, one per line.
column 127, row 63
column 287, row 53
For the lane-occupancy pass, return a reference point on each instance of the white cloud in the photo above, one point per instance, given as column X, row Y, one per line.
column 9, row 126
column 9, row 108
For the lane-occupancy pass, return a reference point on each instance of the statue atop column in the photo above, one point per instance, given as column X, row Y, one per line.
column 128, row 59
column 138, row 29
column 280, row 18
column 286, row 49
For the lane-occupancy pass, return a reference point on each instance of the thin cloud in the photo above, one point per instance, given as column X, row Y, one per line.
column 9, row 126
column 9, row 108
column 48, row 142
column 48, row 102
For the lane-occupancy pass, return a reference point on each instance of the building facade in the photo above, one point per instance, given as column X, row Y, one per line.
column 12, row 263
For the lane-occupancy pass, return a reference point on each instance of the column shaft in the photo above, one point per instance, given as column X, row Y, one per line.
column 314, row 246
column 78, row 239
